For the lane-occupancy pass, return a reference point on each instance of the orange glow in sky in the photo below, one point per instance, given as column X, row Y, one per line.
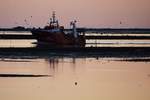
column 88, row 13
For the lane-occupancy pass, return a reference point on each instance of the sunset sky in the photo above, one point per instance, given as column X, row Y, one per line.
column 88, row 13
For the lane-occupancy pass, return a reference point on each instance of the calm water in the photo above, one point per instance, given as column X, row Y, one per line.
column 97, row 43
column 74, row 78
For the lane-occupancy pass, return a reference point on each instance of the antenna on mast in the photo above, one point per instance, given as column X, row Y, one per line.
column 54, row 17
column 53, row 21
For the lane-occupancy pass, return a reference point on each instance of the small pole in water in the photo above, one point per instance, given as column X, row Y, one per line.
column 75, row 83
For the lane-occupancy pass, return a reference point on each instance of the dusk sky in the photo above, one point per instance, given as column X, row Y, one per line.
column 88, row 13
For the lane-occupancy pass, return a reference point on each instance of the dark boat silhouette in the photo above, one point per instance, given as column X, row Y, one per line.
column 54, row 35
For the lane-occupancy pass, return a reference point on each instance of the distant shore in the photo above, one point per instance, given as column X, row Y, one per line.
column 18, row 28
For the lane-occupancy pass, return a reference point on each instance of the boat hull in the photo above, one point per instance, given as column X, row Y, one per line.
column 57, row 38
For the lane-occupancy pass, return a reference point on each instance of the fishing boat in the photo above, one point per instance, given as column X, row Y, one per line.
column 54, row 35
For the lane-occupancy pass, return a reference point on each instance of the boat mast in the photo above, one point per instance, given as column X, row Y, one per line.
column 53, row 21
column 54, row 17
column 74, row 29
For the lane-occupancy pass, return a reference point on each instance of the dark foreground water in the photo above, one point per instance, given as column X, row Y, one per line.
column 72, row 76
